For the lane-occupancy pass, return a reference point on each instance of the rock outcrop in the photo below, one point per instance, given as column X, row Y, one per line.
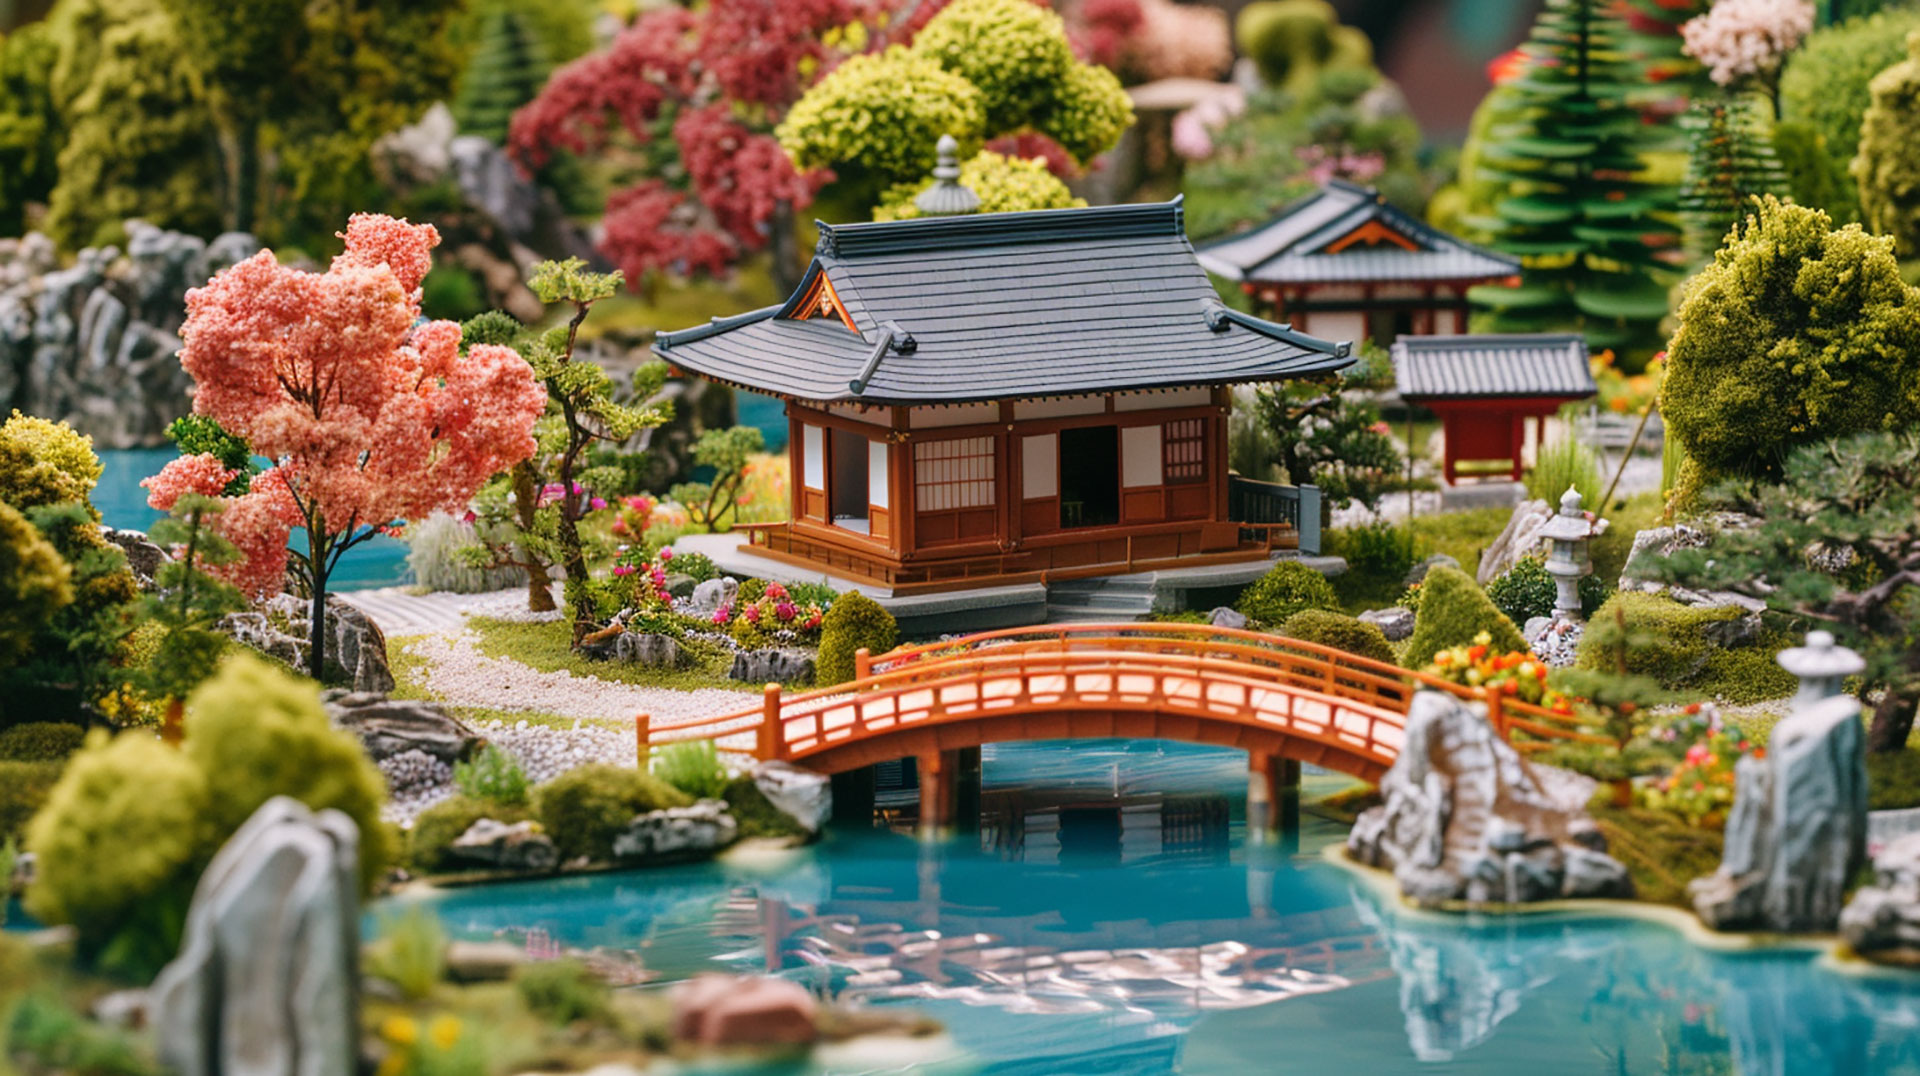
column 279, row 628
column 802, row 795
column 1520, row 537
column 144, row 558
column 637, row 647
column 772, row 666
column 389, row 727
column 1657, row 544
column 718, row 1011
column 1882, row 921
column 704, row 827
column 1797, row 833
column 518, row 847
column 1395, row 622
column 713, row 595
column 267, row 980
column 1466, row 818
column 95, row 343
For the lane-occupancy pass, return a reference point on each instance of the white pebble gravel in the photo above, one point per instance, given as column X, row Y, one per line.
column 545, row 752
column 459, row 674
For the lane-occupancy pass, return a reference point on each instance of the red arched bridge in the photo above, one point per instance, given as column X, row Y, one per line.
column 1282, row 700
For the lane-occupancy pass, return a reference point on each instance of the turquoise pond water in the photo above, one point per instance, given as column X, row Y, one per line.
column 1099, row 927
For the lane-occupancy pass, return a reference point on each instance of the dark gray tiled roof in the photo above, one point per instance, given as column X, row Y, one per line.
column 1455, row 367
column 1290, row 248
column 1004, row 305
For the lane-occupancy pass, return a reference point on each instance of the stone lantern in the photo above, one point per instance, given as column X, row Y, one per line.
column 1569, row 561
column 1821, row 666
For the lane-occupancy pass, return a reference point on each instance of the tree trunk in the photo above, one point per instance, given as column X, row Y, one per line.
column 317, row 635
column 784, row 246
column 574, row 562
column 526, row 506
column 1893, row 720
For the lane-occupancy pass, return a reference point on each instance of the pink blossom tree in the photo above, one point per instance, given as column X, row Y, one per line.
column 371, row 416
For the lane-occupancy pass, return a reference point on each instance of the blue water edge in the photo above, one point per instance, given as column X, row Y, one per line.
column 1094, row 927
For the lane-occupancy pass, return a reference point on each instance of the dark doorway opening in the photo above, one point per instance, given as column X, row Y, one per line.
column 848, row 487
column 1090, row 476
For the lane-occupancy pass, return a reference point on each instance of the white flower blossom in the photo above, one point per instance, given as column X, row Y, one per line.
column 1744, row 39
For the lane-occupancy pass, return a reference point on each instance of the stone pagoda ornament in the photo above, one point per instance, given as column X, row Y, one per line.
column 1570, row 560
column 1821, row 667
column 948, row 197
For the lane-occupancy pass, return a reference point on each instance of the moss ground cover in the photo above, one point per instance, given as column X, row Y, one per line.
column 545, row 646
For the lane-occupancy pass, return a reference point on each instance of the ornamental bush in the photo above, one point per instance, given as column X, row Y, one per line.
column 44, row 463
column 1293, row 41
column 1795, row 333
column 1453, row 609
column 1527, row 590
column 1825, row 86
column 121, row 841
column 256, row 732
column 1286, row 589
column 586, row 807
column 24, row 787
column 1012, row 51
column 880, row 115
column 855, row 621
column 1686, row 648
column 40, row 741
column 1339, row 631
column 492, row 776
column 34, row 584
column 1889, row 156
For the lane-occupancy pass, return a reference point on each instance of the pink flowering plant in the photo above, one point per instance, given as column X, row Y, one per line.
column 763, row 619
column 1743, row 42
column 1700, row 786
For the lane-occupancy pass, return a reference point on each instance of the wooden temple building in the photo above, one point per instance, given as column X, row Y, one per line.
column 1343, row 264
column 1484, row 389
column 976, row 399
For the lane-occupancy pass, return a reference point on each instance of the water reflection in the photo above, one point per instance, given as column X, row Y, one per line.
column 1125, row 932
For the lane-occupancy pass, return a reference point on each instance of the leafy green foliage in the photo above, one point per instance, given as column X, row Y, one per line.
column 1569, row 150
column 29, row 127
column 709, row 504
column 693, row 767
column 509, row 65
column 1527, row 590
column 1794, row 333
column 45, row 463
column 1003, row 185
column 257, row 732
column 1286, row 589
column 1890, row 154
column 584, row 808
column 33, row 584
column 195, row 435
column 40, row 741
column 696, row 566
column 1294, row 41
column 1317, row 433
column 411, row 952
column 1565, row 464
column 1453, row 610
column 436, row 828
column 492, row 776
column 562, row 991
column 24, row 787
column 1837, row 545
column 1681, row 648
column 1339, row 631
column 1893, row 780
column 187, row 603
column 854, row 621
column 1661, row 850
column 1824, row 89
column 757, row 815
column 50, row 1035
column 1730, row 161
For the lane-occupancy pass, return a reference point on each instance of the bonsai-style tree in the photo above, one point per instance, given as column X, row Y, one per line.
column 978, row 70
column 371, row 419
column 727, row 452
column 1335, row 441
column 190, row 596
column 1730, row 162
column 1794, row 333
column 1838, row 545
column 1575, row 210
column 583, row 395
column 1889, row 155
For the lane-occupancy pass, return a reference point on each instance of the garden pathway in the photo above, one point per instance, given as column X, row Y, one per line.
column 458, row 673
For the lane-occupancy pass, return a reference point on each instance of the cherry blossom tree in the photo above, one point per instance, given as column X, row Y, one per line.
column 1744, row 41
column 371, row 417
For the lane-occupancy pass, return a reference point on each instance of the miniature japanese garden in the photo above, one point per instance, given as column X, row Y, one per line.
column 1091, row 536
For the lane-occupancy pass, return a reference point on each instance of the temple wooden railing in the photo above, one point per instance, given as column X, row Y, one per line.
column 1180, row 681
column 1282, row 516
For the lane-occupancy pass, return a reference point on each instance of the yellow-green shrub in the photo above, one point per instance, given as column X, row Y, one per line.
column 1286, row 589
column 584, row 808
column 1453, row 609
column 1342, row 632
column 1673, row 644
column 854, row 621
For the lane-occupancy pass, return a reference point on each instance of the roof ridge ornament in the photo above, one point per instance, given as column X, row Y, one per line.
column 948, row 197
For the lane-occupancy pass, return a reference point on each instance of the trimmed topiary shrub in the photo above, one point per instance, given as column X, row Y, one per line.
column 256, row 733
column 24, row 787
column 436, row 828
column 1677, row 645
column 855, row 621
column 1286, row 589
column 1453, row 609
column 40, row 741
column 1339, row 631
column 586, row 807
column 1527, row 590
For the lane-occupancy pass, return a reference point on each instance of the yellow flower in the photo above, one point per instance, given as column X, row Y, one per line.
column 400, row 1030
column 444, row 1031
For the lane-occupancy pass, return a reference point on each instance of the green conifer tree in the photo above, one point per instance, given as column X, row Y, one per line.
column 508, row 68
column 1568, row 152
column 1730, row 161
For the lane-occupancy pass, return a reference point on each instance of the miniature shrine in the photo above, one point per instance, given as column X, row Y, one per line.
column 1485, row 389
column 1344, row 264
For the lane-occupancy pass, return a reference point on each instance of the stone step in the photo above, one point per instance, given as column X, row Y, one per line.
column 1100, row 599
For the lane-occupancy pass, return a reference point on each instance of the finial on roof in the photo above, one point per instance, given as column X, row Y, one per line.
column 948, row 197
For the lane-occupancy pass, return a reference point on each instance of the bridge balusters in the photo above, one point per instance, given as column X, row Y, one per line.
column 862, row 663
column 642, row 739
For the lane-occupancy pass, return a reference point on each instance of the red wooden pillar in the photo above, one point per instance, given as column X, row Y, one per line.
column 936, row 794
column 1273, row 799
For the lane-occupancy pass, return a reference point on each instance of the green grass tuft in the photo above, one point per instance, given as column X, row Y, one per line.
column 547, row 647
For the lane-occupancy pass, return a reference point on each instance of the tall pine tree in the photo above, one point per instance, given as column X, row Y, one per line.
column 1730, row 161
column 1595, row 252
column 508, row 68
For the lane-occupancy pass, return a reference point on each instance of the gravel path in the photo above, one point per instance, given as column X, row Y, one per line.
column 459, row 674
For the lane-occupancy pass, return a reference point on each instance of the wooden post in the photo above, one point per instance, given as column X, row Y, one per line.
column 768, row 745
column 964, row 766
column 1496, row 714
column 862, row 663
column 936, row 799
column 642, row 739
column 1273, row 800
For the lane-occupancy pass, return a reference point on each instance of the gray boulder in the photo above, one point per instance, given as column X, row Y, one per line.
column 705, row 827
column 279, row 628
column 1227, row 617
column 1467, row 818
column 643, row 648
column 772, row 666
column 143, row 557
column 1520, row 537
column 709, row 597
column 1395, row 622
column 1797, row 833
column 388, row 727
column 1419, row 571
column 519, row 847
column 802, row 795
column 1882, row 921
column 267, row 980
